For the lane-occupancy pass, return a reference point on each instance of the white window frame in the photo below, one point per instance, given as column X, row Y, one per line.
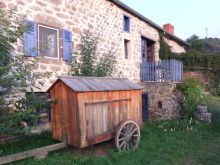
column 38, row 38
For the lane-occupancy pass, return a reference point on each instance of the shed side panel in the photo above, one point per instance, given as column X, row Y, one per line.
column 73, row 119
column 64, row 114
column 102, row 112
column 56, row 116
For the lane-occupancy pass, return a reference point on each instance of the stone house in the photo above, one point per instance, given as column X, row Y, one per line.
column 58, row 24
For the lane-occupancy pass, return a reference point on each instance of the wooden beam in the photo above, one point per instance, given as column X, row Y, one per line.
column 109, row 101
column 38, row 153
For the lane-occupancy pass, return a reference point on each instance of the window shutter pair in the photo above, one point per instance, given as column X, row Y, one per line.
column 31, row 41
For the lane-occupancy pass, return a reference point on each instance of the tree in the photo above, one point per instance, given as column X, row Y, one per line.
column 11, row 30
column 16, row 76
column 89, row 62
column 196, row 44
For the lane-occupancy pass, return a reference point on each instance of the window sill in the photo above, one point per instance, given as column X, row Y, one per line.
column 125, row 31
column 47, row 60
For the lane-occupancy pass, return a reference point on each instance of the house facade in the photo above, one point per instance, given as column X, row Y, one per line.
column 57, row 25
column 55, row 31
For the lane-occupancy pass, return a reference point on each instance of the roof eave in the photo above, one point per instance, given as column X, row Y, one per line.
column 129, row 9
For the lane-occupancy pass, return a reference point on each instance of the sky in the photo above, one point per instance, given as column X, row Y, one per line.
column 188, row 16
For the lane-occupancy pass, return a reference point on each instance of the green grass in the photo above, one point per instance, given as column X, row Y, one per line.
column 28, row 143
column 157, row 147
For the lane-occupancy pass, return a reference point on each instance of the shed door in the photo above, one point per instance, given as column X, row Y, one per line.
column 145, row 107
column 104, row 117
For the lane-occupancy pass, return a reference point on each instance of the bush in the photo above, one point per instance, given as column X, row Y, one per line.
column 214, row 85
column 193, row 92
column 89, row 64
column 188, row 84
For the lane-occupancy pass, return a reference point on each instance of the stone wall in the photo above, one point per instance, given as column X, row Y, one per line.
column 202, row 76
column 99, row 16
column 164, row 101
column 175, row 47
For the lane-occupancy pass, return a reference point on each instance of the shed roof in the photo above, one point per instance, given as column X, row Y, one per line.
column 96, row 84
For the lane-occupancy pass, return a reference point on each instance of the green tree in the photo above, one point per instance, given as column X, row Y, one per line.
column 89, row 63
column 16, row 75
column 10, row 65
column 196, row 44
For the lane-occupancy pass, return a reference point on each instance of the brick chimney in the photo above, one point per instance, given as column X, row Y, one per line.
column 168, row 28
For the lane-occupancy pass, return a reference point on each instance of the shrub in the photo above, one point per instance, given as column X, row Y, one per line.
column 214, row 85
column 19, row 121
column 194, row 95
column 188, row 84
column 165, row 50
column 89, row 64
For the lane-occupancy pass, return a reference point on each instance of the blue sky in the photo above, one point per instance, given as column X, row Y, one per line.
column 188, row 16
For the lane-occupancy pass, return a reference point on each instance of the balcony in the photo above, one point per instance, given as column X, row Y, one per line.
column 162, row 71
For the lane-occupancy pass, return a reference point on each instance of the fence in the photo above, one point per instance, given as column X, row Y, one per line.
column 162, row 71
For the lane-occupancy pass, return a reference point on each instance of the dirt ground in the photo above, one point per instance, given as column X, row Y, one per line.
column 100, row 150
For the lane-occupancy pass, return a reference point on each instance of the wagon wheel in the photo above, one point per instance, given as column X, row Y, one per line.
column 127, row 136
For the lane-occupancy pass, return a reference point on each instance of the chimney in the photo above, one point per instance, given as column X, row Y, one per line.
column 168, row 28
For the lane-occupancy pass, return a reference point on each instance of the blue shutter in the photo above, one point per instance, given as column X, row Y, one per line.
column 153, row 53
column 30, row 39
column 67, row 45
column 146, row 55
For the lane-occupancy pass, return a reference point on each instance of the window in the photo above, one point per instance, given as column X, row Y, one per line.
column 144, row 47
column 48, row 42
column 126, row 23
column 147, row 49
column 126, row 48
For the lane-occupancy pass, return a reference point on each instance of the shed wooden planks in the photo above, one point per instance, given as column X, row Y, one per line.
column 65, row 119
column 101, row 115
column 85, row 118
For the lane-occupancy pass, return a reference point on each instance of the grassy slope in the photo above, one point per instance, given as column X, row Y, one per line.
column 201, row 146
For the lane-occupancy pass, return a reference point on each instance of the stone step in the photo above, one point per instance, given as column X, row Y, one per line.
column 203, row 116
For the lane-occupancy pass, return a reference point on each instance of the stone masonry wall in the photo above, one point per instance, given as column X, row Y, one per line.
column 164, row 102
column 99, row 16
column 175, row 47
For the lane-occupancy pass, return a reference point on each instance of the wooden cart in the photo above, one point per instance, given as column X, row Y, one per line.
column 92, row 110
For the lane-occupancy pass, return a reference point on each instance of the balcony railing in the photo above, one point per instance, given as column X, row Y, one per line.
column 162, row 71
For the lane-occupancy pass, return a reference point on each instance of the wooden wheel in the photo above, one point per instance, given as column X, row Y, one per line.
column 127, row 136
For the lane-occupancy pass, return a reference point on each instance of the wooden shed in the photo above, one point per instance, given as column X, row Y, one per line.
column 88, row 110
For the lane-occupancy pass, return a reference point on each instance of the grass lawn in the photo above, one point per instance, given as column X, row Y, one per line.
column 199, row 146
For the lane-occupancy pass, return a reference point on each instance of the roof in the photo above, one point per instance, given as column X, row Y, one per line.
column 140, row 16
column 96, row 84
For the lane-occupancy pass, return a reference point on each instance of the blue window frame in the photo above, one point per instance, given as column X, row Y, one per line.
column 127, row 23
